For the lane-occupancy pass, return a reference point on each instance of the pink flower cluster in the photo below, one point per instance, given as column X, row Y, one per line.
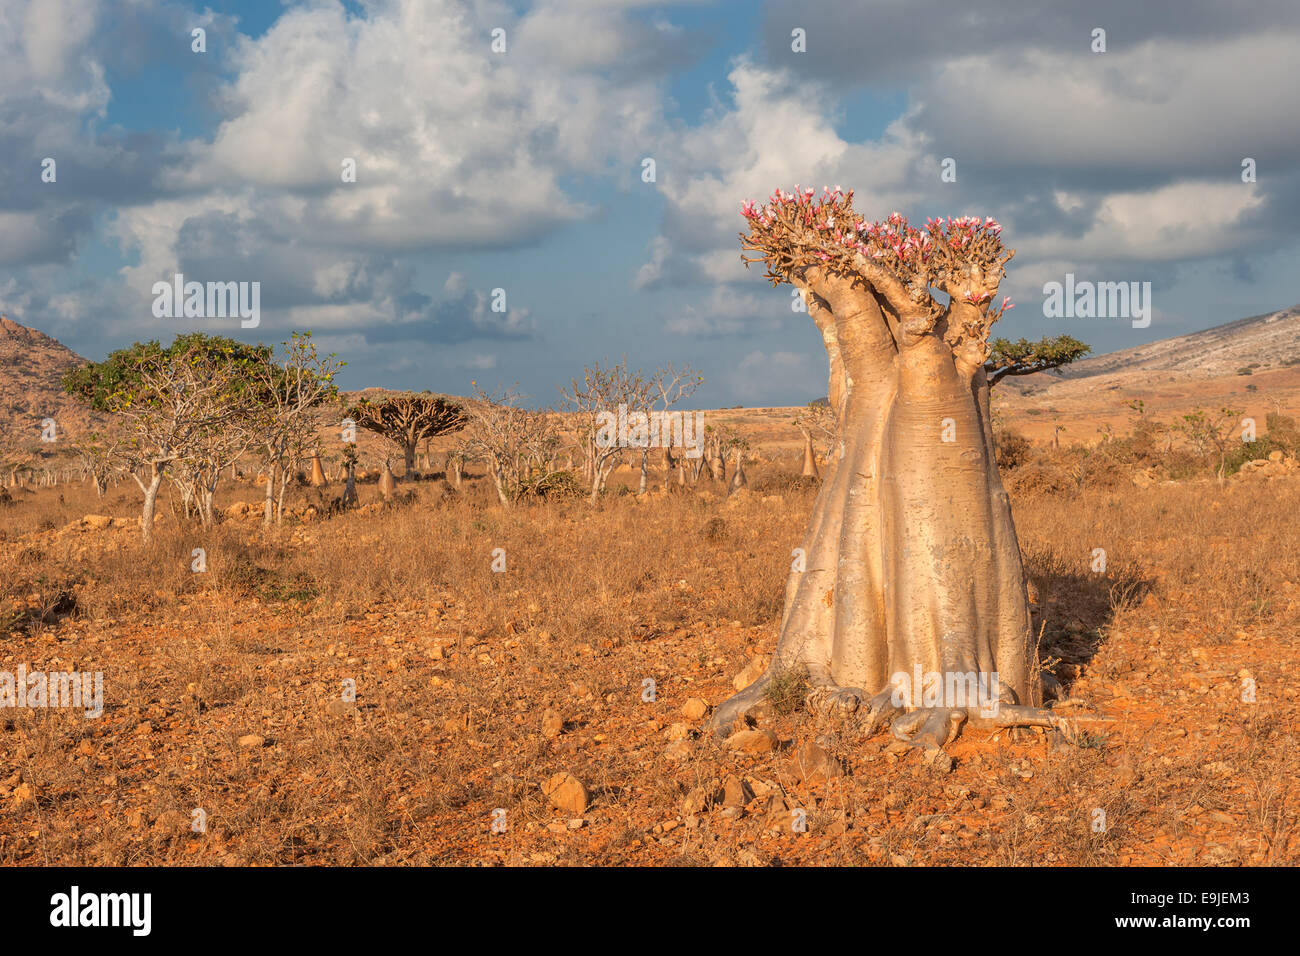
column 893, row 240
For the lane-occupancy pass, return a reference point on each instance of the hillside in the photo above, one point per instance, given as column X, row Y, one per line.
column 32, row 365
column 1270, row 340
column 1251, row 365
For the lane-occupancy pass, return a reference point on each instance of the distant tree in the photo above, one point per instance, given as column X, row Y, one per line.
column 817, row 419
column 738, row 446
column 291, row 395
column 512, row 439
column 1024, row 357
column 349, row 467
column 409, row 418
column 185, row 406
column 718, row 444
column 594, row 398
column 101, row 455
column 666, row 387
column 1211, row 433
column 18, row 452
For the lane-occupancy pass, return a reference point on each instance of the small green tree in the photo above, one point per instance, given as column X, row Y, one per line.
column 1210, row 433
column 1024, row 357
column 186, row 407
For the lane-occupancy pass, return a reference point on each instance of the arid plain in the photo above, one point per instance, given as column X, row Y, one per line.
column 553, row 712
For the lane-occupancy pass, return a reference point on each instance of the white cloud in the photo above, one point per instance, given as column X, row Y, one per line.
column 455, row 145
column 1179, row 221
column 772, row 135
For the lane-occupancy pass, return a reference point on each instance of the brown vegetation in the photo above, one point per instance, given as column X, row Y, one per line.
column 475, row 689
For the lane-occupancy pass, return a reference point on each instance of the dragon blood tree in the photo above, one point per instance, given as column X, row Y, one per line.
column 910, row 595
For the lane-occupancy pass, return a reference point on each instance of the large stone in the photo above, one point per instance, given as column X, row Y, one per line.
column 751, row 672
column 735, row 792
column 695, row 708
column 752, row 741
column 813, row 765
column 680, row 731
column 702, row 798
column 566, row 792
column 552, row 724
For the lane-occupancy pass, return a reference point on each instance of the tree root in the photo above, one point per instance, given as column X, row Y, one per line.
column 738, row 706
column 926, row 727
column 931, row 727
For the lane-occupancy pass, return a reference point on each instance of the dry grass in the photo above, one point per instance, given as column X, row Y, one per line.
column 455, row 664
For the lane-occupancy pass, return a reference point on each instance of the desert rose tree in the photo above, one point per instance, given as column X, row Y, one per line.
column 910, row 564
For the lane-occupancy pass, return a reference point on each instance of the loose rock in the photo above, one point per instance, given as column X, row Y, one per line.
column 566, row 792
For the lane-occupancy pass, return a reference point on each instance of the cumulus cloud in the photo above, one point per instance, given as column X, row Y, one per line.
column 777, row 130
column 1132, row 156
column 1119, row 165
column 725, row 312
column 455, row 146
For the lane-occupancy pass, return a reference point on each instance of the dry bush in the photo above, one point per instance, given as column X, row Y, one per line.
column 1013, row 450
column 1034, row 481
column 680, row 588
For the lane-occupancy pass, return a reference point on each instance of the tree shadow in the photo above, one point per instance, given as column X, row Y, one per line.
column 1073, row 610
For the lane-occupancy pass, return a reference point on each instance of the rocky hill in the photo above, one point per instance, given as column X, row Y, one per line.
column 1264, row 341
column 1251, row 365
column 32, row 365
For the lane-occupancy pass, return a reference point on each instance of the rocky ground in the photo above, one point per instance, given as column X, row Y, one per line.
column 554, row 713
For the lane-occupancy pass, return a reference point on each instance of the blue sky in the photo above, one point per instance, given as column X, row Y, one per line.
column 521, row 170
